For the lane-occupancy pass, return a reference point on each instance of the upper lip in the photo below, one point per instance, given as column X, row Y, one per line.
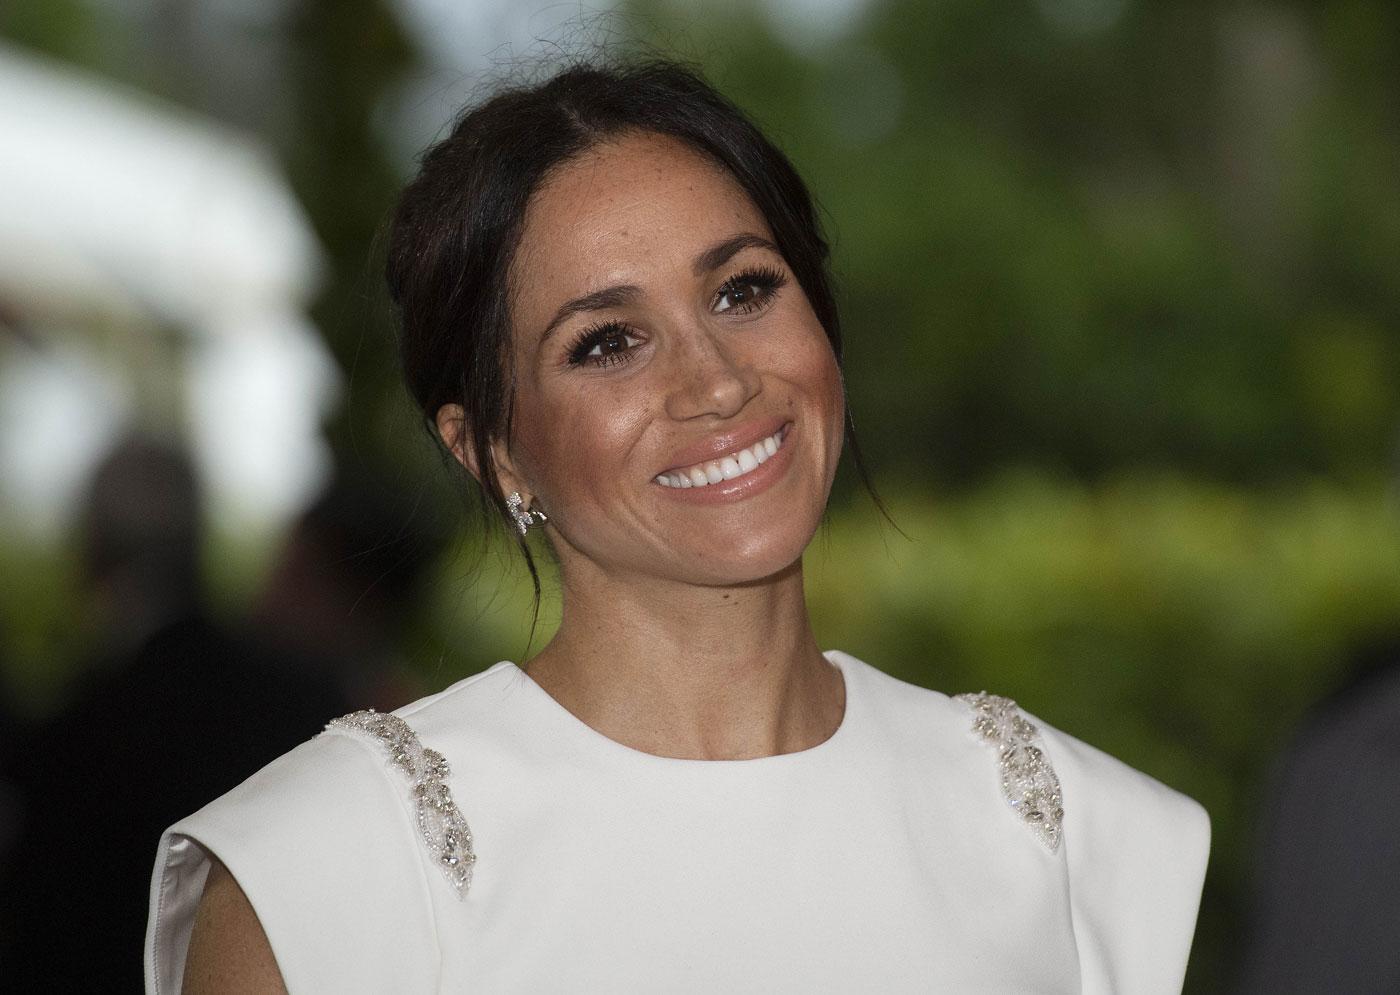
column 725, row 443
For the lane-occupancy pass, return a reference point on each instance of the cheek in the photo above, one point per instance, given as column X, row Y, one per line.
column 806, row 361
column 578, row 445
column 834, row 403
column 812, row 368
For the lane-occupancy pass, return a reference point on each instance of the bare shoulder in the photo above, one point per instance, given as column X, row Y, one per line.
column 229, row 950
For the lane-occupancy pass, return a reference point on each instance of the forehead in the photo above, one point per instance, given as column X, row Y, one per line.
column 628, row 210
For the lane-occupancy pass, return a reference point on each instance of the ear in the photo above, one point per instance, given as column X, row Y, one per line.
column 453, row 430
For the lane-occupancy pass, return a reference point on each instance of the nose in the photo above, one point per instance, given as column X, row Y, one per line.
column 711, row 377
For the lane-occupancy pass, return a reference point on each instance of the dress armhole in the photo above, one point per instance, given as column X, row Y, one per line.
column 182, row 868
column 326, row 851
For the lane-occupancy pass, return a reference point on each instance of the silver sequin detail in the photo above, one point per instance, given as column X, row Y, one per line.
column 444, row 829
column 1027, row 779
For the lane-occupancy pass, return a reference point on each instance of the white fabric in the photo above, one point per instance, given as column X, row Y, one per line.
column 883, row 859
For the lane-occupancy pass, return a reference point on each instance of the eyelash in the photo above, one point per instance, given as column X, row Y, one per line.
column 767, row 280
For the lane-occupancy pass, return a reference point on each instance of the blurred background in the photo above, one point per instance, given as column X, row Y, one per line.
column 1122, row 303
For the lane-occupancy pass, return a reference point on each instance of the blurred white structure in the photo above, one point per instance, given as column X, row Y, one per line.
column 159, row 269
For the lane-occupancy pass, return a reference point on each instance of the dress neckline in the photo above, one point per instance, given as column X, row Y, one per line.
column 588, row 738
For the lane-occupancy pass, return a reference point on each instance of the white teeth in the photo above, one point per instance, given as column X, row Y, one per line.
column 726, row 467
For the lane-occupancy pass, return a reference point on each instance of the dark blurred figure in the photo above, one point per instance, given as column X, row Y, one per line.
column 9, row 796
column 179, row 708
column 345, row 583
column 1326, row 915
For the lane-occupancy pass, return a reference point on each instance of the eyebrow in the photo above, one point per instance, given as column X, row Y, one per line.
column 625, row 293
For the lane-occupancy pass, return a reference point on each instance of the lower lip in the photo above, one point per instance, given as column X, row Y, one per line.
column 764, row 476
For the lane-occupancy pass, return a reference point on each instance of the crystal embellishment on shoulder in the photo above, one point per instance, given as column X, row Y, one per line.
column 1027, row 779
column 441, row 823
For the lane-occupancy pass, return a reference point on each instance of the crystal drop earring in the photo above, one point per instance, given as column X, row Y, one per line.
column 523, row 519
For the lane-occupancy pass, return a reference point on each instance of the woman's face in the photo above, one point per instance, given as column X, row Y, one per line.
column 661, row 341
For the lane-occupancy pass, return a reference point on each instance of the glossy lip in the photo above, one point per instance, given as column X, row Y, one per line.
column 740, row 437
column 758, row 479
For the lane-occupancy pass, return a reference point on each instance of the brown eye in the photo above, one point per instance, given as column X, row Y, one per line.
column 611, row 342
column 749, row 291
column 604, row 345
column 739, row 295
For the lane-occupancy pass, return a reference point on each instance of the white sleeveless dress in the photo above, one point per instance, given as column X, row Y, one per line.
column 932, row 844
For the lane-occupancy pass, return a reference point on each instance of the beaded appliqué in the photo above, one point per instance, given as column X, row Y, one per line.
column 1027, row 779
column 441, row 823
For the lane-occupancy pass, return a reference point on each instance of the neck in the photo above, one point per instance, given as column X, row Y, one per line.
column 706, row 673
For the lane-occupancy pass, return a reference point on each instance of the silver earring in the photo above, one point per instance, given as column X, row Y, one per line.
column 523, row 519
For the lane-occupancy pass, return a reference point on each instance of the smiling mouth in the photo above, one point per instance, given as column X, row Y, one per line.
column 730, row 466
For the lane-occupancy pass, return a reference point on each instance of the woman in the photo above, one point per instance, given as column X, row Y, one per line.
column 616, row 315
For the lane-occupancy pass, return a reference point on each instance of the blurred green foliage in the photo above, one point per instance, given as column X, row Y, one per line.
column 1167, row 236
column 1121, row 299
